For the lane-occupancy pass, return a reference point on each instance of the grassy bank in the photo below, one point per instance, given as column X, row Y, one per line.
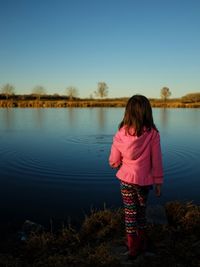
column 121, row 102
column 100, row 239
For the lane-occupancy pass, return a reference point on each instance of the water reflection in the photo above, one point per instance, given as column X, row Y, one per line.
column 39, row 118
column 8, row 118
column 71, row 116
column 164, row 116
column 195, row 117
column 101, row 114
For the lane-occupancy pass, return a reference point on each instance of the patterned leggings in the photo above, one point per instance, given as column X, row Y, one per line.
column 134, row 199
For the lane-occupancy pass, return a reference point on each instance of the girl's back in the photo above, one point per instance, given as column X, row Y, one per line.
column 139, row 157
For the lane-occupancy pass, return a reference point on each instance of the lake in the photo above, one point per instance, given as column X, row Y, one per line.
column 54, row 162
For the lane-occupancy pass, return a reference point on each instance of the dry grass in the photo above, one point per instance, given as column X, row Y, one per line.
column 102, row 225
column 176, row 243
column 185, row 216
column 159, row 103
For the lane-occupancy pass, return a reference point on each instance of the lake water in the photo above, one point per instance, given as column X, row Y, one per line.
column 54, row 162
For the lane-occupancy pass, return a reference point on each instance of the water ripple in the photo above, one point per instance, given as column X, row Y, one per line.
column 25, row 166
column 89, row 139
column 179, row 161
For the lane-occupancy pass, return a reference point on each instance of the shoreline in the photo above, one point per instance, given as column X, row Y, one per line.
column 100, row 241
column 90, row 103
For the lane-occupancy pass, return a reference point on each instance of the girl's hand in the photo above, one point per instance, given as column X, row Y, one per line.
column 119, row 166
column 158, row 190
column 114, row 166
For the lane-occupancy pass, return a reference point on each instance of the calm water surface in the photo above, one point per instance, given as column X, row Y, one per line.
column 54, row 162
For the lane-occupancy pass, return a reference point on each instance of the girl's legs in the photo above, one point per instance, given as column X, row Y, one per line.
column 142, row 192
column 142, row 195
column 129, row 197
column 134, row 199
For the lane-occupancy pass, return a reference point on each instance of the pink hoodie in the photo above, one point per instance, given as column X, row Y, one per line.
column 140, row 157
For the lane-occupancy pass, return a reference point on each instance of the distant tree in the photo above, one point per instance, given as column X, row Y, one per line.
column 55, row 96
column 191, row 98
column 102, row 90
column 38, row 91
column 165, row 93
column 7, row 90
column 71, row 92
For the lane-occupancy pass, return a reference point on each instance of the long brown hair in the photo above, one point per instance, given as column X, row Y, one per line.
column 138, row 116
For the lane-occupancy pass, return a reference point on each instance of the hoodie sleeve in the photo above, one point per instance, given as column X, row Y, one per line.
column 115, row 158
column 156, row 157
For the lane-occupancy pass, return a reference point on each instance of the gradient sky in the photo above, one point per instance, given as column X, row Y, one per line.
column 135, row 46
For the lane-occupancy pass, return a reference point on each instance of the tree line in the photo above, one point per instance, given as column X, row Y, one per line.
column 71, row 93
column 38, row 92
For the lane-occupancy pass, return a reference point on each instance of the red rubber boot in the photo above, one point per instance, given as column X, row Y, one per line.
column 133, row 243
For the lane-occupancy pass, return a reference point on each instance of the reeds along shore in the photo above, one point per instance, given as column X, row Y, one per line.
column 91, row 103
column 99, row 241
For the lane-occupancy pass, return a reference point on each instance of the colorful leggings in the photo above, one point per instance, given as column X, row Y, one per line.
column 134, row 199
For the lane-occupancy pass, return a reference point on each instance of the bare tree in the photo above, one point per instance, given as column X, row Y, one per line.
column 102, row 90
column 7, row 90
column 38, row 91
column 71, row 92
column 165, row 93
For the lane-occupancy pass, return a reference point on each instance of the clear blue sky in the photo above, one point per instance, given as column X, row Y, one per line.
column 135, row 46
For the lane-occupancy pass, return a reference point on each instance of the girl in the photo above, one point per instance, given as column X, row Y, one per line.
column 136, row 153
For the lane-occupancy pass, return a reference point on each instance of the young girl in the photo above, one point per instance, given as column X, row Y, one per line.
column 136, row 153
